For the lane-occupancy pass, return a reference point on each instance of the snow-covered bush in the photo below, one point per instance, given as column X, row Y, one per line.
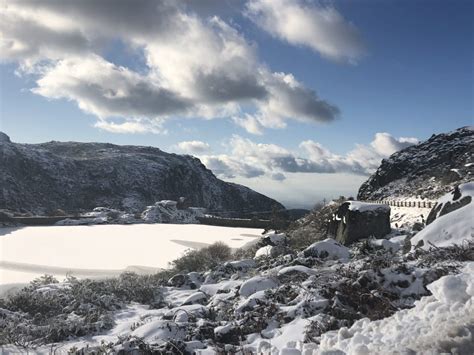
column 203, row 259
column 47, row 311
column 312, row 227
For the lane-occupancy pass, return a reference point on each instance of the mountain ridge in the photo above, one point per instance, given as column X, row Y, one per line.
column 75, row 176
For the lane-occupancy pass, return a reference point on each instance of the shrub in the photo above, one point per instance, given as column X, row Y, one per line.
column 247, row 252
column 311, row 228
column 47, row 311
column 202, row 259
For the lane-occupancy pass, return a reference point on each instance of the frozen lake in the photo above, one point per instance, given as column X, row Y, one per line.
column 104, row 250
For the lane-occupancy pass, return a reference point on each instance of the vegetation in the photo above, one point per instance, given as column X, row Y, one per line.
column 312, row 228
column 202, row 259
column 47, row 311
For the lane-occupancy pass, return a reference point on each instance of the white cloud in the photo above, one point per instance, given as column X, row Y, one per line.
column 385, row 144
column 193, row 147
column 249, row 159
column 230, row 167
column 137, row 126
column 195, row 67
column 108, row 91
column 303, row 23
column 250, row 123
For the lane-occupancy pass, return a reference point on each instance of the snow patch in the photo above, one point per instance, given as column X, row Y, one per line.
column 455, row 227
column 257, row 283
column 327, row 248
column 366, row 206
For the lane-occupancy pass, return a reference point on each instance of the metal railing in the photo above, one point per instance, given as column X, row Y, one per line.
column 400, row 203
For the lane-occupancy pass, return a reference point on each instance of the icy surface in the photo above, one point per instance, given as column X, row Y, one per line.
column 105, row 250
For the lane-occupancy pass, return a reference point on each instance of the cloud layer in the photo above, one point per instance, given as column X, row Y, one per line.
column 193, row 147
column 249, row 159
column 298, row 22
column 195, row 66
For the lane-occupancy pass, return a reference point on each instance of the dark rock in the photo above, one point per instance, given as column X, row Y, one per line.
column 348, row 226
column 273, row 240
column 456, row 193
column 227, row 335
column 441, row 209
column 178, row 280
column 4, row 217
column 417, row 226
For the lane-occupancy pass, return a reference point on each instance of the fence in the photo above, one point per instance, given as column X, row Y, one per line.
column 234, row 222
column 414, row 204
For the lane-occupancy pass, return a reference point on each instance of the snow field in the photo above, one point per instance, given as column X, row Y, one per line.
column 105, row 250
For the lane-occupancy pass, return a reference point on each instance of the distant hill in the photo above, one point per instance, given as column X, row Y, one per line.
column 71, row 176
column 428, row 169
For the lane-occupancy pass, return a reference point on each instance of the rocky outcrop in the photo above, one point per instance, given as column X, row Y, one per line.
column 167, row 212
column 429, row 169
column 450, row 222
column 458, row 198
column 75, row 177
column 355, row 220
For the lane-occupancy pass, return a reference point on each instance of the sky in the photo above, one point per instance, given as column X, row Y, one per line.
column 297, row 99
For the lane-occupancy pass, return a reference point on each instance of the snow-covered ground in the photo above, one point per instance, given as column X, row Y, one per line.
column 455, row 227
column 403, row 217
column 441, row 323
column 367, row 298
column 104, row 250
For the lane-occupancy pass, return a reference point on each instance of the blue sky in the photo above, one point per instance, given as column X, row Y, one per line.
column 404, row 68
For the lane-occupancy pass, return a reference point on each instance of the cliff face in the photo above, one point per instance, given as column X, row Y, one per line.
column 428, row 169
column 72, row 176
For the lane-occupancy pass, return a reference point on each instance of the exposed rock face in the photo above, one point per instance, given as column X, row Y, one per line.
column 429, row 169
column 458, row 198
column 74, row 177
column 356, row 220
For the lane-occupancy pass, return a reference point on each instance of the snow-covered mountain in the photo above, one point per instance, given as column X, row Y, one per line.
column 74, row 176
column 428, row 169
